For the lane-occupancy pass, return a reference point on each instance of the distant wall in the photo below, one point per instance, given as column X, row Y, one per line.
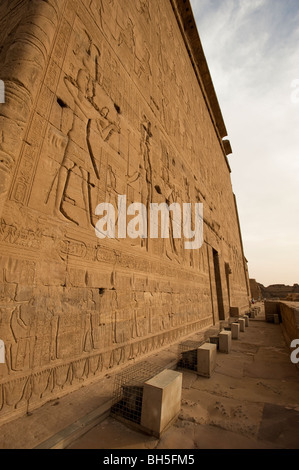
column 255, row 289
column 279, row 291
column 289, row 312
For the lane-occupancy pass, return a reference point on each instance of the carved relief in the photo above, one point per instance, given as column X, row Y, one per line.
column 146, row 170
column 22, row 64
column 111, row 112
column 104, row 13
column 142, row 65
column 143, row 7
column 127, row 36
column 20, row 347
column 79, row 145
column 91, row 128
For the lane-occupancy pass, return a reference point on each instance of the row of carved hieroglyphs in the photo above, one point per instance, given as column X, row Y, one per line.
column 25, row 391
column 23, row 64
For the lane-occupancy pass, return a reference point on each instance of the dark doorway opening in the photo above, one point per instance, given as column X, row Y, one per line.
column 218, row 285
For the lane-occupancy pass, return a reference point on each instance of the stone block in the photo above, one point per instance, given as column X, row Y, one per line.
column 161, row 401
column 246, row 317
column 206, row 359
column 235, row 329
column 234, row 311
column 241, row 322
column 225, row 341
column 289, row 317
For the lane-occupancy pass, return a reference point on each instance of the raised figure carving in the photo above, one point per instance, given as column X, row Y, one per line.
column 79, row 147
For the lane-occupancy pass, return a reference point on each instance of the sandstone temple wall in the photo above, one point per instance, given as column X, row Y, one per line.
column 105, row 98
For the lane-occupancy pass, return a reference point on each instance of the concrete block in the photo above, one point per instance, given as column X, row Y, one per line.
column 161, row 401
column 246, row 317
column 235, row 329
column 241, row 322
column 234, row 311
column 225, row 341
column 206, row 359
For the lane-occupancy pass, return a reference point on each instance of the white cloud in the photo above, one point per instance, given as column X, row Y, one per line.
column 252, row 49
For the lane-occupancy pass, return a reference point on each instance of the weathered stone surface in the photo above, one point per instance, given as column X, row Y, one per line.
column 278, row 291
column 104, row 98
column 289, row 316
column 234, row 312
column 255, row 290
column 276, row 319
column 271, row 308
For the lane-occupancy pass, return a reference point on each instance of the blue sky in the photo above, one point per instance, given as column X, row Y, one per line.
column 252, row 50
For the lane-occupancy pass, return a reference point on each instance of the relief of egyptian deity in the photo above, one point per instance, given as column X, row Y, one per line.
column 103, row 11
column 81, row 151
column 21, row 344
column 144, row 173
column 143, row 7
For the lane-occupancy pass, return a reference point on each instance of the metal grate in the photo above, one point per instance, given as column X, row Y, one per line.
column 128, row 391
column 188, row 354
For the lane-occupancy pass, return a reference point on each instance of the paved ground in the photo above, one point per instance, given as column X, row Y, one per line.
column 251, row 401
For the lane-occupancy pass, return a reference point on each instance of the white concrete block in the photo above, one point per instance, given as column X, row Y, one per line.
column 225, row 341
column 235, row 329
column 241, row 322
column 206, row 359
column 161, row 401
column 246, row 317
